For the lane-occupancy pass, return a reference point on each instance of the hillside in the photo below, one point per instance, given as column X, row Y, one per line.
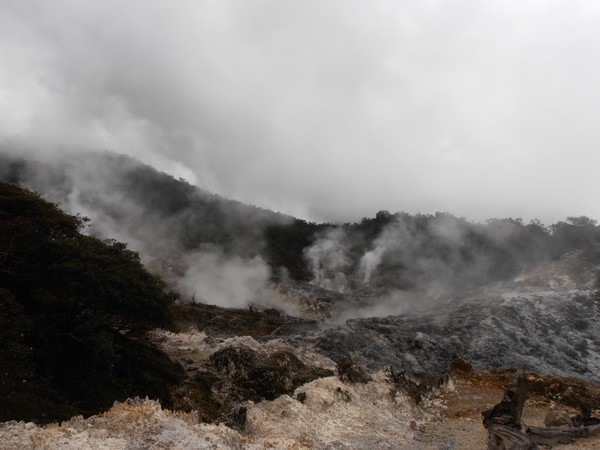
column 286, row 333
column 182, row 232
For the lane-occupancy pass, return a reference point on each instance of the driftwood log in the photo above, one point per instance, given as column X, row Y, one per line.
column 506, row 430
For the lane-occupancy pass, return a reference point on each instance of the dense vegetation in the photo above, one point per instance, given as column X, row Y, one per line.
column 72, row 310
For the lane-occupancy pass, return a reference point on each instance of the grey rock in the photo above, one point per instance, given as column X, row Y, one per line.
column 553, row 332
column 558, row 419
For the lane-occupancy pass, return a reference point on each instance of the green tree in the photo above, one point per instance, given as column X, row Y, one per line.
column 73, row 309
column 576, row 233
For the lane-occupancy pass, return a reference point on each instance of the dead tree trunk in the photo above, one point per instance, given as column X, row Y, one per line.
column 503, row 421
column 506, row 430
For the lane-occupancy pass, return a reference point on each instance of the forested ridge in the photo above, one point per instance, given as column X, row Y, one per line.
column 162, row 212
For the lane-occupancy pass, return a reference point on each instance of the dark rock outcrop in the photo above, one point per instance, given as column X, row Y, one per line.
column 348, row 371
column 255, row 376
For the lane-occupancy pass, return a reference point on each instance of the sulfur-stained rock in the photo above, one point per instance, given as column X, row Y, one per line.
column 131, row 424
column 335, row 415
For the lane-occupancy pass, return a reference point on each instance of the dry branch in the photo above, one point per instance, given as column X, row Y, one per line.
column 506, row 430
column 561, row 435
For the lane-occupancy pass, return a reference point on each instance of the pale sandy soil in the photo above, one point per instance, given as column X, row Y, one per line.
column 460, row 425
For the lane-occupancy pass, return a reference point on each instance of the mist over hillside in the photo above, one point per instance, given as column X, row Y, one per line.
column 127, row 198
column 199, row 242
column 220, row 251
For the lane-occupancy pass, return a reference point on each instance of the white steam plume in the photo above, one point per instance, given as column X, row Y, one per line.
column 394, row 238
column 370, row 261
column 328, row 258
column 96, row 186
column 213, row 278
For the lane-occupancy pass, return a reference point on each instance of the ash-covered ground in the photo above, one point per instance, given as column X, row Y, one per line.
column 545, row 320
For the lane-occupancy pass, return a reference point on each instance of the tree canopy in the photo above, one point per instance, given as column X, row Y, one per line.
column 72, row 307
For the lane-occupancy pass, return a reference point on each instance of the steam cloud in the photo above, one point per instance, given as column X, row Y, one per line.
column 393, row 238
column 412, row 267
column 116, row 193
column 213, row 278
column 328, row 258
column 436, row 261
column 415, row 258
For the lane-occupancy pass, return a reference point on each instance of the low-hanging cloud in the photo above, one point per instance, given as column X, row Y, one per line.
column 324, row 109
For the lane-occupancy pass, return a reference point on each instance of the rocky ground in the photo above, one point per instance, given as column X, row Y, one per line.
column 327, row 413
column 258, row 378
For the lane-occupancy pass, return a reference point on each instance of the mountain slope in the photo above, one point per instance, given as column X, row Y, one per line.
column 181, row 232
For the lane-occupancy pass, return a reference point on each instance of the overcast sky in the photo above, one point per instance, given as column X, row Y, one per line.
column 328, row 110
